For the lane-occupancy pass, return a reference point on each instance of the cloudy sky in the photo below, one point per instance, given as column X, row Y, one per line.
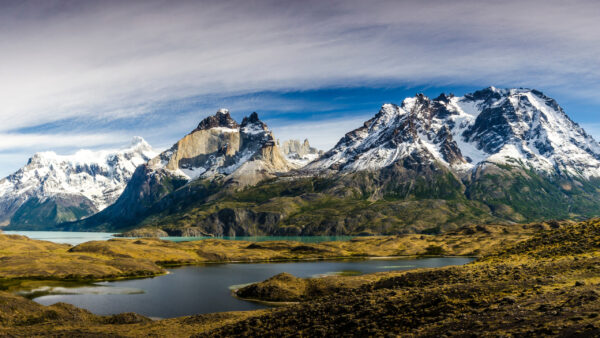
column 93, row 74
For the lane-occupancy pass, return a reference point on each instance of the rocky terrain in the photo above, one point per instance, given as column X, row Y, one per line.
column 425, row 166
column 219, row 154
column 544, row 284
column 53, row 188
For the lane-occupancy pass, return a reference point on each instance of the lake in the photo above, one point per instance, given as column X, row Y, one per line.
column 74, row 238
column 207, row 288
column 64, row 237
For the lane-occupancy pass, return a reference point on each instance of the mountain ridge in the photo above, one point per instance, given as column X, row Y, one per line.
column 219, row 150
column 424, row 166
column 427, row 165
column 489, row 125
column 68, row 187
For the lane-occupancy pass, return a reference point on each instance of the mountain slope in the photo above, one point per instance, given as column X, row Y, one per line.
column 53, row 188
column 429, row 165
column 219, row 154
column 502, row 126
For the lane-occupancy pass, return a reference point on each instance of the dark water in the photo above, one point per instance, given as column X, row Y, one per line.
column 205, row 289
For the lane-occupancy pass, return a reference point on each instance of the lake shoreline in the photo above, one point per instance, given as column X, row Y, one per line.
column 11, row 284
column 203, row 289
column 120, row 258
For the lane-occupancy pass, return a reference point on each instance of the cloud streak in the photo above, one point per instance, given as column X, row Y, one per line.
column 43, row 142
column 112, row 60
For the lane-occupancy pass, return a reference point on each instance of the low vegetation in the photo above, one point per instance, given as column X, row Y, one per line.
column 547, row 285
column 26, row 259
column 535, row 280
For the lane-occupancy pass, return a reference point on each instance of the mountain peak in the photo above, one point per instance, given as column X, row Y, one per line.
column 253, row 125
column 252, row 118
column 516, row 126
column 85, row 180
column 221, row 119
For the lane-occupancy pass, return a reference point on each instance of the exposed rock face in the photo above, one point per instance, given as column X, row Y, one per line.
column 429, row 165
column 300, row 153
column 219, row 146
column 218, row 150
column 53, row 188
column 221, row 119
column 502, row 126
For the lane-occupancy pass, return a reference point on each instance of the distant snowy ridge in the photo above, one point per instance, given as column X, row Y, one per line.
column 503, row 126
column 98, row 176
column 299, row 153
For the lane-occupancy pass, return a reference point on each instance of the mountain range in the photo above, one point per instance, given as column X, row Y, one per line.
column 426, row 165
column 53, row 188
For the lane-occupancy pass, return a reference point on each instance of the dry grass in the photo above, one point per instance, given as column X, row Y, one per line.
column 528, row 283
column 22, row 258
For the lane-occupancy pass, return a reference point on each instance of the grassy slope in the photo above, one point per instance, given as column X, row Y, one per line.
column 392, row 201
column 325, row 206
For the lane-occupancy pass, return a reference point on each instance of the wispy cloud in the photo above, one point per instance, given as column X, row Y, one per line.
column 113, row 60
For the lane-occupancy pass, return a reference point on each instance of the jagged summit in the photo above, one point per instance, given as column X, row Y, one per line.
column 221, row 119
column 515, row 126
column 219, row 146
column 253, row 125
column 219, row 151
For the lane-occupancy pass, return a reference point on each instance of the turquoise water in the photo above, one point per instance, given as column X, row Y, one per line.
column 64, row 237
column 74, row 238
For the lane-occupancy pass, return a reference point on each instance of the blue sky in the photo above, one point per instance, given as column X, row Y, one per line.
column 94, row 74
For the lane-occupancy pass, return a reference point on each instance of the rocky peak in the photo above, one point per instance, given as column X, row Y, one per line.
column 487, row 94
column 222, row 149
column 221, row 119
column 253, row 125
column 490, row 125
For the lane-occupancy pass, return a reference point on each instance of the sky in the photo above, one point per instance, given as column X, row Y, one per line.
column 93, row 74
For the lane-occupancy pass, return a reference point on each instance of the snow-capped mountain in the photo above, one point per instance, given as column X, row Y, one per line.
column 504, row 126
column 218, row 150
column 220, row 146
column 496, row 155
column 88, row 181
column 299, row 153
